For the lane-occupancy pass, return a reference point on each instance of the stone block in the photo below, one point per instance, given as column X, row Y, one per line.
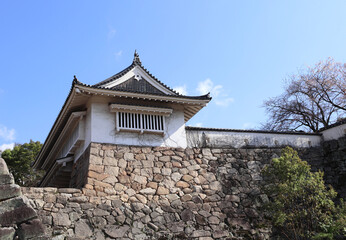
column 7, row 233
column 3, row 167
column 96, row 168
column 31, row 229
column 165, row 158
column 82, row 229
column 109, row 161
column 114, row 231
column 100, row 213
column 216, row 185
column 182, row 184
column 15, row 210
column 69, row 190
column 166, row 171
column 187, row 215
column 162, row 191
column 96, row 160
column 61, row 219
column 140, row 179
column 187, row 178
column 6, row 179
column 113, row 171
column 9, row 191
column 148, row 191
column 176, row 176
column 79, row 199
column 128, row 156
column 200, row 233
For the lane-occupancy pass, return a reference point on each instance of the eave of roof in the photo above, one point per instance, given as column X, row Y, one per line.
column 247, row 131
column 47, row 142
column 136, row 93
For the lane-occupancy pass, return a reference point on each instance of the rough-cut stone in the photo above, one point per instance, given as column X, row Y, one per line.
column 82, row 229
column 216, row 185
column 176, row 176
column 7, row 233
column 187, row 215
column 116, row 231
column 15, row 210
column 187, row 178
column 3, row 167
column 200, row 233
column 9, row 191
column 6, row 179
column 61, row 219
column 148, row 191
column 182, row 184
column 162, row 191
column 128, row 156
column 31, row 229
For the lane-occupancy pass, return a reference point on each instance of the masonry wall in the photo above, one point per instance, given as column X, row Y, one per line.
column 161, row 193
column 334, row 164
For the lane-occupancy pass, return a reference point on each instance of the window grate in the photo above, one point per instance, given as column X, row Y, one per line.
column 140, row 122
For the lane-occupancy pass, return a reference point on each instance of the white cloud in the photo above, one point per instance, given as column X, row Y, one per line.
column 7, row 134
column 181, row 89
column 198, row 124
column 249, row 125
column 111, row 32
column 3, row 147
column 118, row 54
column 224, row 102
column 216, row 91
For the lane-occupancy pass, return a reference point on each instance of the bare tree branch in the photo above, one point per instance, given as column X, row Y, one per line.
column 313, row 98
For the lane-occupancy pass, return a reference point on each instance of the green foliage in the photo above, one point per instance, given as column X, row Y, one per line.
column 19, row 161
column 300, row 206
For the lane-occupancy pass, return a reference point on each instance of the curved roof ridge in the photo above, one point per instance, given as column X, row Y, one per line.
column 136, row 62
column 115, row 76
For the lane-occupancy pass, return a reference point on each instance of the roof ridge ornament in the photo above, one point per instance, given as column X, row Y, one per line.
column 136, row 58
column 75, row 80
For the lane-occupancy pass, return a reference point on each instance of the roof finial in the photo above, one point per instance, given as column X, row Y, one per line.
column 136, row 58
column 75, row 80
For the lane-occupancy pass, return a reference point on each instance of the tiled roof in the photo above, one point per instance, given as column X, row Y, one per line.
column 203, row 97
column 136, row 62
column 338, row 123
column 242, row 130
column 141, row 85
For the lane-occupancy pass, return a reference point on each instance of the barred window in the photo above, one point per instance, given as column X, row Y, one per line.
column 140, row 122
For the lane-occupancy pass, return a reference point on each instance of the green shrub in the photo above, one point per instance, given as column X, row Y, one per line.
column 300, row 205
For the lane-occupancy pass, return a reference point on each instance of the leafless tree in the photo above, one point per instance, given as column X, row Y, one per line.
column 313, row 98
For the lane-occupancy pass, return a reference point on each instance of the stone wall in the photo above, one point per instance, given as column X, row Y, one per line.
column 169, row 193
column 334, row 164
column 18, row 220
column 80, row 170
column 161, row 193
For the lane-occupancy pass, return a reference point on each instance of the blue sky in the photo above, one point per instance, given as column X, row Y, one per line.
column 241, row 51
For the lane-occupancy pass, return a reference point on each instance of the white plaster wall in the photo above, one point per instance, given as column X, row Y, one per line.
column 103, row 129
column 87, row 135
column 334, row 133
column 243, row 139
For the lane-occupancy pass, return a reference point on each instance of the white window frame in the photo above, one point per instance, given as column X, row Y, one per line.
column 140, row 119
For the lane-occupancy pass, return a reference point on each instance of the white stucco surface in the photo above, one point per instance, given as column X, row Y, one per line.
column 103, row 129
column 242, row 139
column 334, row 133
